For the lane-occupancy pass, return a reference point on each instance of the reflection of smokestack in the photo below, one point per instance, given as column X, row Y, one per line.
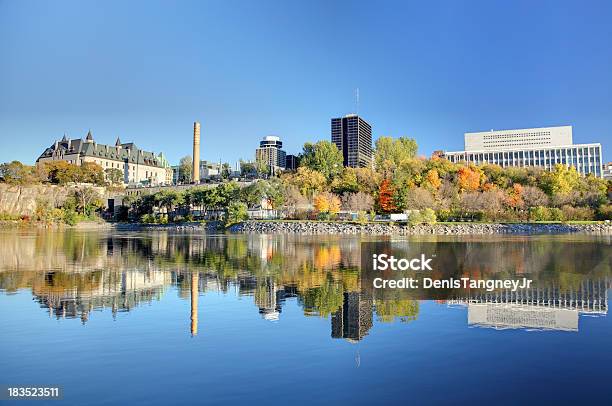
column 195, row 282
column 196, row 152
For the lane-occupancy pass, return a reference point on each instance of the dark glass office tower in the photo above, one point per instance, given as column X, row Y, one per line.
column 353, row 136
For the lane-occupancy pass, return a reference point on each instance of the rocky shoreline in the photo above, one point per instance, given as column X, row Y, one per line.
column 319, row 227
column 339, row 228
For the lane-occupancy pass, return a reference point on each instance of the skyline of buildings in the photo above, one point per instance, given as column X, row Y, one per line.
column 542, row 147
column 532, row 147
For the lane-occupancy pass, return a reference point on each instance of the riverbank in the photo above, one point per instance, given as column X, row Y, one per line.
column 333, row 227
column 321, row 227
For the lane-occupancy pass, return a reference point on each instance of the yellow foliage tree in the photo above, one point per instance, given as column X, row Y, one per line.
column 327, row 203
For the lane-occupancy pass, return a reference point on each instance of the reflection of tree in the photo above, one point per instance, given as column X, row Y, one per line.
column 324, row 299
column 405, row 310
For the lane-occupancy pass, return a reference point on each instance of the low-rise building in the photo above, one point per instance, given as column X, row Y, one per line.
column 137, row 165
column 607, row 172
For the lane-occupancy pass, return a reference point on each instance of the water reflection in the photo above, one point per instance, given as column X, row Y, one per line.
column 72, row 274
column 548, row 308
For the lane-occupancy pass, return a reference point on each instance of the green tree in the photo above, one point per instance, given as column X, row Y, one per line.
column 185, row 169
column 168, row 199
column 390, row 153
column 323, row 157
column 236, row 212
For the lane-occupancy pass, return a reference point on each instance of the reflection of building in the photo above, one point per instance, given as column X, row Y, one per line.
column 121, row 291
column 136, row 165
column 354, row 319
column 500, row 316
column 542, row 147
column 537, row 308
column 269, row 297
column 353, row 137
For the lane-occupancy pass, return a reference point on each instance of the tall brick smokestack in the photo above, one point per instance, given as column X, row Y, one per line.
column 196, row 153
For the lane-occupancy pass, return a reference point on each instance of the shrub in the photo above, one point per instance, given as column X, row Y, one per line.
column 444, row 215
column 578, row 213
column 556, row 214
column 604, row 212
column 7, row 216
column 71, row 217
column 147, row 218
column 457, row 215
column 362, row 217
column 428, row 216
column 301, row 215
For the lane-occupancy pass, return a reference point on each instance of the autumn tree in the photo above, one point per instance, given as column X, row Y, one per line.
column 391, row 152
column 91, row 172
column 385, row 197
column 62, row 172
column 561, row 180
column 346, row 182
column 88, row 200
column 468, row 178
column 515, row 196
column 419, row 198
column 357, row 202
column 432, row 180
column 308, row 181
column 534, row 196
column 327, row 204
column 16, row 173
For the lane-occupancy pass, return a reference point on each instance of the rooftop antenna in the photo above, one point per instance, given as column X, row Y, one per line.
column 357, row 101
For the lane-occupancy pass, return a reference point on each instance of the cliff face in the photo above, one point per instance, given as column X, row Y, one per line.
column 22, row 200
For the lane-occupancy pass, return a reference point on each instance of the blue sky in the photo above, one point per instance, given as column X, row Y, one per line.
column 145, row 71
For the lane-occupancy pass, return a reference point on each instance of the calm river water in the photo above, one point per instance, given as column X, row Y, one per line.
column 170, row 318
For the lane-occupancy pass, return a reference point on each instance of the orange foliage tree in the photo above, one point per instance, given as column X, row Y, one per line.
column 432, row 180
column 515, row 196
column 385, row 197
column 468, row 179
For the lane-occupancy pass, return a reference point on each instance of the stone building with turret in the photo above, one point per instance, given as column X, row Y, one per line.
column 137, row 165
